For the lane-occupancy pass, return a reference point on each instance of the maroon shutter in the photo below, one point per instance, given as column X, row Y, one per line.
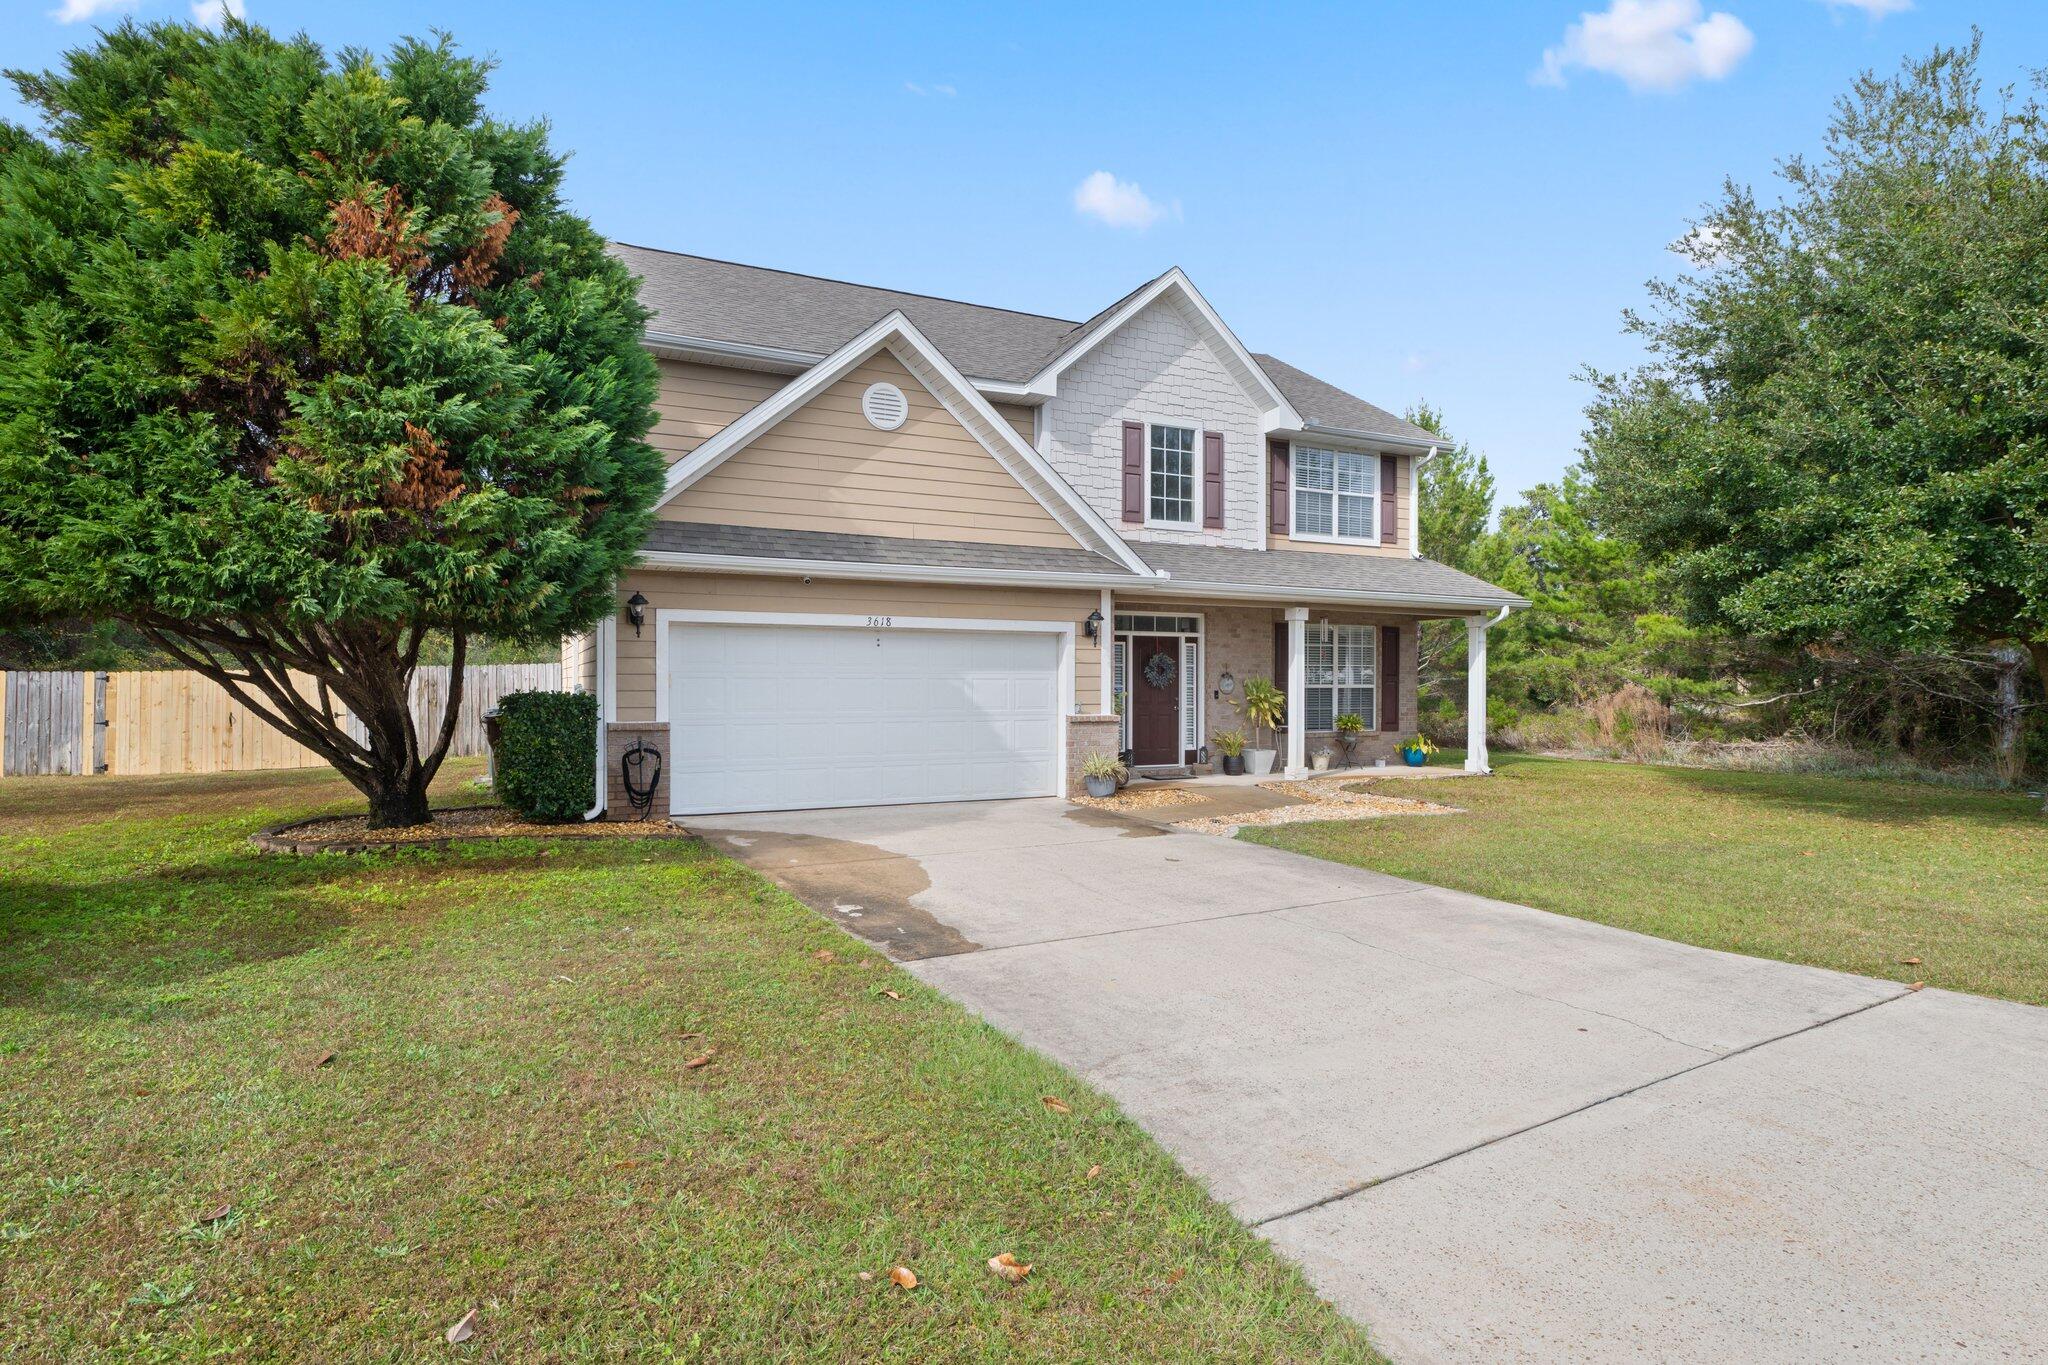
column 1212, row 479
column 1278, row 494
column 1386, row 500
column 1134, row 471
column 1389, row 677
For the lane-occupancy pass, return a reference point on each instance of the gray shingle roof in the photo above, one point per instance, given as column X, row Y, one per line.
column 760, row 542
column 696, row 296
column 1280, row 570
column 720, row 301
column 1326, row 405
column 1367, row 575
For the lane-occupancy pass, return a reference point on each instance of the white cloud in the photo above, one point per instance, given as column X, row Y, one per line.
column 73, row 11
column 212, row 13
column 1650, row 45
column 1876, row 9
column 946, row 91
column 1119, row 203
column 1704, row 244
column 1415, row 362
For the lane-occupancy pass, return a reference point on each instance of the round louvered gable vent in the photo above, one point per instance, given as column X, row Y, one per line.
column 885, row 407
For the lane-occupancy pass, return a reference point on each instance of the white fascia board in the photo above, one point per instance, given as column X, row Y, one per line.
column 1279, row 412
column 792, row 361
column 1143, row 587
column 953, row 390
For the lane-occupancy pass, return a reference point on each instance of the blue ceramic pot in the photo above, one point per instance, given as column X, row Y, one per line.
column 1414, row 758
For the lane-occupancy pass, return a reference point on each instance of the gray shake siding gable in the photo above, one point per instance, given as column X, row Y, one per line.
column 1156, row 368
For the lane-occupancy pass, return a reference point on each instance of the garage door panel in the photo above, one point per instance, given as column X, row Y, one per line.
column 768, row 717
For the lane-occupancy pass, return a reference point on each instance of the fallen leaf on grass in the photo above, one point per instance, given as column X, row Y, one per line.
column 1093, row 1171
column 1005, row 1266
column 696, row 1062
column 893, row 995
column 901, row 1276
column 214, row 1215
column 323, row 1059
column 825, row 955
column 1058, row 1106
column 464, row 1329
column 1909, row 962
column 688, row 1036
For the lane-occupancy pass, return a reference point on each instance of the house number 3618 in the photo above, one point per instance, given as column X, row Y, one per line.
column 881, row 620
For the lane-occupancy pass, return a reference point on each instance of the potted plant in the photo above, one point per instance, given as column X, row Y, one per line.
column 1350, row 729
column 1266, row 707
column 1100, row 773
column 1416, row 752
column 1230, row 743
column 1320, row 760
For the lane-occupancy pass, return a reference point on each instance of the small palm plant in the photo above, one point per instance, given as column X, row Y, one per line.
column 1265, row 706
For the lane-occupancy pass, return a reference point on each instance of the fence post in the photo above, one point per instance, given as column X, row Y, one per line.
column 99, row 724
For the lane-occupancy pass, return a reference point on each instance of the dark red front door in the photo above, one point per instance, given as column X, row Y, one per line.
column 1155, row 711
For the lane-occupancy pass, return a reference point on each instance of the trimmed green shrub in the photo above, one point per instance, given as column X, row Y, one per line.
column 547, row 754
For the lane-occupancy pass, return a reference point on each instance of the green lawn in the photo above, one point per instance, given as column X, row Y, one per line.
column 507, row 1122
column 1855, row 875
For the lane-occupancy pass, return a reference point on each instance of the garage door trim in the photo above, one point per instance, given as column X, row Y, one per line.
column 666, row 617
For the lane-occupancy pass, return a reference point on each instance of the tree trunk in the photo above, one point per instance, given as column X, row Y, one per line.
column 401, row 804
column 2012, row 757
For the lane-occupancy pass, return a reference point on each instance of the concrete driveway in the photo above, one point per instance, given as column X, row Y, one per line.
column 1488, row 1132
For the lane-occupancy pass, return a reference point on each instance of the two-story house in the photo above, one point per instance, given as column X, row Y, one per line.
column 912, row 549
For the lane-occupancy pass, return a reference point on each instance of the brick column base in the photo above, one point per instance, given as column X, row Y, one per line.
column 1090, row 735
column 618, row 738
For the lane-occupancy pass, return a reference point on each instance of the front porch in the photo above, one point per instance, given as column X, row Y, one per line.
column 1177, row 674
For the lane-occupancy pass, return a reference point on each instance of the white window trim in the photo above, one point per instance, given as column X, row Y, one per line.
column 1294, row 467
column 1199, row 638
column 666, row 617
column 1372, row 721
column 1194, row 521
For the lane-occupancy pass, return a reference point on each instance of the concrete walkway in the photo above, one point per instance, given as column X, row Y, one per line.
column 1488, row 1132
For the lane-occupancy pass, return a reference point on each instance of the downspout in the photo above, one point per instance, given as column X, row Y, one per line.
column 1415, row 503
column 601, row 642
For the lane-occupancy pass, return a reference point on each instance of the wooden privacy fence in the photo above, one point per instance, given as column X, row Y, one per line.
column 170, row 721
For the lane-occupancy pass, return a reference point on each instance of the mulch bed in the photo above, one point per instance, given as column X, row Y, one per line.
column 1139, row 798
column 352, row 833
column 1322, row 798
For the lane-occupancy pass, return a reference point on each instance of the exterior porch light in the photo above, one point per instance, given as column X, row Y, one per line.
column 636, row 611
column 1093, row 625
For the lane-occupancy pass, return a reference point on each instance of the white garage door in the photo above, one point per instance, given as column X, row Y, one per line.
column 765, row 717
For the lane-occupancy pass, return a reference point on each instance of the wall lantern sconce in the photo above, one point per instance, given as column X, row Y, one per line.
column 1093, row 625
column 636, row 611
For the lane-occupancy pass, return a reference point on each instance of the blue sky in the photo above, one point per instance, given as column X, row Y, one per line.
column 1450, row 201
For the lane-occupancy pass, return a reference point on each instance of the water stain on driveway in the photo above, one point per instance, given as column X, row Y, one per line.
column 863, row 889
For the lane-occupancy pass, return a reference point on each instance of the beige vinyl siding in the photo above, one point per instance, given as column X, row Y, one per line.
column 825, row 468
column 671, row 591
column 1404, row 479
column 1018, row 416
column 579, row 662
column 695, row 402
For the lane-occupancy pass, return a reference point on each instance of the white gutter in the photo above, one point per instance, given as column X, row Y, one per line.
column 1415, row 502
column 1128, row 583
column 1385, row 438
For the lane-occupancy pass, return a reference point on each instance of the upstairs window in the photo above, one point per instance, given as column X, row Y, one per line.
column 1336, row 494
column 1170, row 476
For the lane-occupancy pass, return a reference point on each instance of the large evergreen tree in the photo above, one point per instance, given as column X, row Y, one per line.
column 302, row 361
column 1843, row 431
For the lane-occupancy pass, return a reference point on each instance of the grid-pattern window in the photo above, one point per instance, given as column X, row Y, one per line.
column 1171, row 475
column 1340, row 674
column 1336, row 493
column 1137, row 624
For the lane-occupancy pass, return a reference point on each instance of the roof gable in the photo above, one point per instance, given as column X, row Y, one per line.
column 902, row 340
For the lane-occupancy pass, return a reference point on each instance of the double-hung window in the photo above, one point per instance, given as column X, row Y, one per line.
column 1170, row 476
column 1340, row 674
column 1336, row 494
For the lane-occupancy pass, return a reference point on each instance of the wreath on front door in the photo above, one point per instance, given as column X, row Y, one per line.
column 1159, row 670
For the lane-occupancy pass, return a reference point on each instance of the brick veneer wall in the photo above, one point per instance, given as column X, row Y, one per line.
column 619, row 737
column 1089, row 735
column 1239, row 640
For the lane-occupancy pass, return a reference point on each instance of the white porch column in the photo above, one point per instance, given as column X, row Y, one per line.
column 1297, row 691
column 1106, row 643
column 1475, row 695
